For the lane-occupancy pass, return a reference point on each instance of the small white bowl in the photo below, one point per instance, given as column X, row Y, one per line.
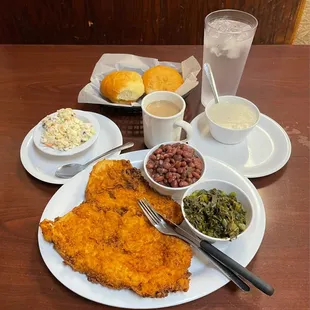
column 83, row 116
column 228, row 135
column 175, row 192
column 227, row 188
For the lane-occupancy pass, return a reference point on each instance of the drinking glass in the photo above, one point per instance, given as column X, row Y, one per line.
column 228, row 36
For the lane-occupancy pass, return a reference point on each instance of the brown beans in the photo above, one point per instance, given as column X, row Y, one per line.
column 170, row 180
column 183, row 183
column 161, row 170
column 177, row 157
column 159, row 178
column 166, row 165
column 198, row 163
column 174, row 183
column 175, row 165
column 150, row 164
column 168, row 175
column 187, row 154
column 196, row 175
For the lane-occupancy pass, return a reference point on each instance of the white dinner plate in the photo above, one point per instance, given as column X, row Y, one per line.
column 86, row 117
column 266, row 149
column 204, row 279
column 43, row 166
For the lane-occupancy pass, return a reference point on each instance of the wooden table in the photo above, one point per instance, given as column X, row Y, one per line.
column 37, row 80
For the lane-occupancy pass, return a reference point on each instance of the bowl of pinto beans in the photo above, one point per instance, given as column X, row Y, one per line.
column 172, row 167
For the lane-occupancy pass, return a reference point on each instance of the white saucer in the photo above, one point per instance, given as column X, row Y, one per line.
column 86, row 117
column 265, row 151
column 43, row 166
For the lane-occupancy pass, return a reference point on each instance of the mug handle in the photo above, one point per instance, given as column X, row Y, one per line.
column 186, row 127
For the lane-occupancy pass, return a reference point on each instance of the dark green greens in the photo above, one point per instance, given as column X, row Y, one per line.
column 215, row 213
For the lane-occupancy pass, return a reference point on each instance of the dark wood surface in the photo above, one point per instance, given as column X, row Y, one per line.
column 37, row 80
column 135, row 21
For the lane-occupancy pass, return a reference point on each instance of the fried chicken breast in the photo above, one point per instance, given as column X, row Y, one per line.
column 109, row 239
column 115, row 184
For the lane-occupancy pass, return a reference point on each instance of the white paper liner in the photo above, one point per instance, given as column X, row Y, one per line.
column 115, row 62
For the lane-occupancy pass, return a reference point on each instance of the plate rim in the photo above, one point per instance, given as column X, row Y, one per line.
column 267, row 171
column 142, row 153
column 26, row 162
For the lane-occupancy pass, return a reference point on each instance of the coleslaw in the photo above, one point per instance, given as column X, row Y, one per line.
column 64, row 131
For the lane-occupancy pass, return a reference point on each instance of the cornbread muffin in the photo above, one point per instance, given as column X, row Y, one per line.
column 162, row 78
column 122, row 86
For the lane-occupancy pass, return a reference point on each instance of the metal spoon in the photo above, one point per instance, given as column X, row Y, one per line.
column 209, row 74
column 70, row 170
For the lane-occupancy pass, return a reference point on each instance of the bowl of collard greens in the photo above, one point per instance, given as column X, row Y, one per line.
column 217, row 210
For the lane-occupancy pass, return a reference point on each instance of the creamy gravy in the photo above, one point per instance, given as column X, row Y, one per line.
column 162, row 108
column 232, row 115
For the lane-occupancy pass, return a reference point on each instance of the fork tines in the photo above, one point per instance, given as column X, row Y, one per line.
column 149, row 212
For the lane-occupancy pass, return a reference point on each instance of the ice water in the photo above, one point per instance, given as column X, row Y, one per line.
column 227, row 44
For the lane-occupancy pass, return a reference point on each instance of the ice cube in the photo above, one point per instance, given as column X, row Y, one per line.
column 234, row 52
column 229, row 41
column 210, row 41
column 243, row 36
column 216, row 51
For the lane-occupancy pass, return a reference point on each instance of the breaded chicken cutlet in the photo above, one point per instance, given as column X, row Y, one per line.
column 109, row 239
column 117, row 185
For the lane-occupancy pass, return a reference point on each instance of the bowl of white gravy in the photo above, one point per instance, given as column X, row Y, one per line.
column 232, row 119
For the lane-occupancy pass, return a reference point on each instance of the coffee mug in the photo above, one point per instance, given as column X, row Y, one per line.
column 159, row 129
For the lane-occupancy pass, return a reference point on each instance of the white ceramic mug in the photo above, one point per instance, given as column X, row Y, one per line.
column 162, row 129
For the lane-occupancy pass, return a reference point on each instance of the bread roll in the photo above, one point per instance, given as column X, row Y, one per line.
column 161, row 78
column 122, row 86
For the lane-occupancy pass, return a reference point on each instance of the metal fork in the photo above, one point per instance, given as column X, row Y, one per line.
column 213, row 253
column 166, row 228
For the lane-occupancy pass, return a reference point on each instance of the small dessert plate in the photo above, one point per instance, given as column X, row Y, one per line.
column 264, row 151
column 43, row 166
